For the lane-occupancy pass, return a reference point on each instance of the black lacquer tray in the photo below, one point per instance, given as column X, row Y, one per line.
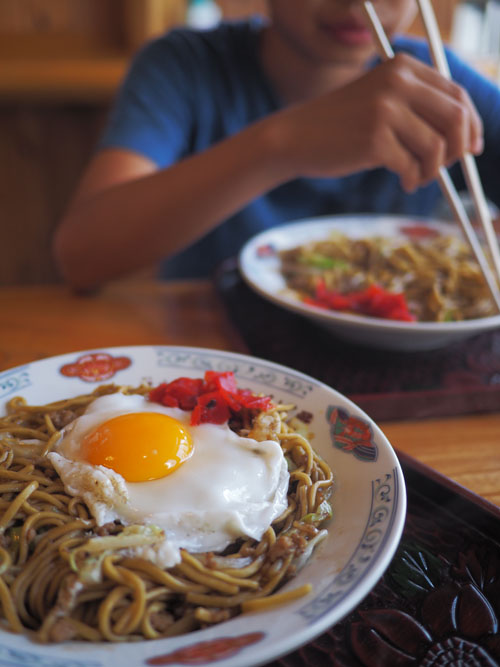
column 439, row 601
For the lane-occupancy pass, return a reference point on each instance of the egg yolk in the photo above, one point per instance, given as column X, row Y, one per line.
column 139, row 446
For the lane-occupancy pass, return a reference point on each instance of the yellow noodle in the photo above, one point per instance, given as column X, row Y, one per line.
column 217, row 600
column 105, row 613
column 49, row 498
column 185, row 624
column 301, row 476
column 136, row 585
column 6, row 458
column 9, row 609
column 147, row 629
column 24, row 431
column 38, row 596
column 270, row 536
column 439, row 276
column 296, row 439
column 276, row 599
column 84, row 631
column 59, row 534
column 56, row 582
column 6, row 560
column 267, row 539
column 158, row 594
column 16, row 505
column 76, row 507
column 8, row 487
column 50, row 443
column 311, row 494
column 217, row 574
column 249, row 570
column 23, row 476
column 161, row 576
column 206, row 579
column 303, row 504
column 49, row 424
column 49, row 532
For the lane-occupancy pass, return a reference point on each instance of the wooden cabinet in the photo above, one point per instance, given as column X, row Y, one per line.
column 74, row 50
column 60, row 64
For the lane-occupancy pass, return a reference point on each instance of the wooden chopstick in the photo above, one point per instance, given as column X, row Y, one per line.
column 467, row 161
column 444, row 179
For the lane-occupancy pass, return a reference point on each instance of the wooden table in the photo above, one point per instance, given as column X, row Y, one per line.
column 41, row 321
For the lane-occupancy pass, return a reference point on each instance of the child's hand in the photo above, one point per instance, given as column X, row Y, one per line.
column 402, row 115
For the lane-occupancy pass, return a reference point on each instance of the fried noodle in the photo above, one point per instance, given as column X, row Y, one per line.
column 62, row 577
column 438, row 275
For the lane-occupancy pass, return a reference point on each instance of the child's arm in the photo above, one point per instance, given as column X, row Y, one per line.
column 127, row 214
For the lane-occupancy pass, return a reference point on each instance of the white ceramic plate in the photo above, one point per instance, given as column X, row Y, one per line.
column 369, row 506
column 261, row 270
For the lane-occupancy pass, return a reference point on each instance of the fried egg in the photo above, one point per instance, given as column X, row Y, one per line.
column 139, row 462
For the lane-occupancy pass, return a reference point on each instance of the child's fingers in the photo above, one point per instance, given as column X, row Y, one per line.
column 400, row 160
column 411, row 147
column 454, row 90
column 402, row 115
column 428, row 146
column 451, row 119
column 442, row 103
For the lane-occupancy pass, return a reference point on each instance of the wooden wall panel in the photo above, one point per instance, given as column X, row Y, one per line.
column 29, row 27
column 144, row 19
column 44, row 27
column 44, row 150
column 76, row 51
column 234, row 9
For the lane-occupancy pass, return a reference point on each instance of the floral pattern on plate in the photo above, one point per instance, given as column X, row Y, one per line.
column 351, row 434
column 95, row 367
column 204, row 653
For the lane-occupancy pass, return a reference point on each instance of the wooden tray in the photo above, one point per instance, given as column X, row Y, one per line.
column 439, row 601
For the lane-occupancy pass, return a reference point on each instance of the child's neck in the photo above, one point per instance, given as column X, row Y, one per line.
column 294, row 78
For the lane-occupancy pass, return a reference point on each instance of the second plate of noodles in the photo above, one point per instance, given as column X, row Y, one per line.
column 383, row 281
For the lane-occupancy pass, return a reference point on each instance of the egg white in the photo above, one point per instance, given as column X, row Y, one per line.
column 230, row 487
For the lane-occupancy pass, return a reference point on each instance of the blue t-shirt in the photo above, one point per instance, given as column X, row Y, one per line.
column 187, row 90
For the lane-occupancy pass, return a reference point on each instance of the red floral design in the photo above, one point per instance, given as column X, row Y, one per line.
column 418, row 231
column 266, row 250
column 95, row 367
column 205, row 652
column 351, row 434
